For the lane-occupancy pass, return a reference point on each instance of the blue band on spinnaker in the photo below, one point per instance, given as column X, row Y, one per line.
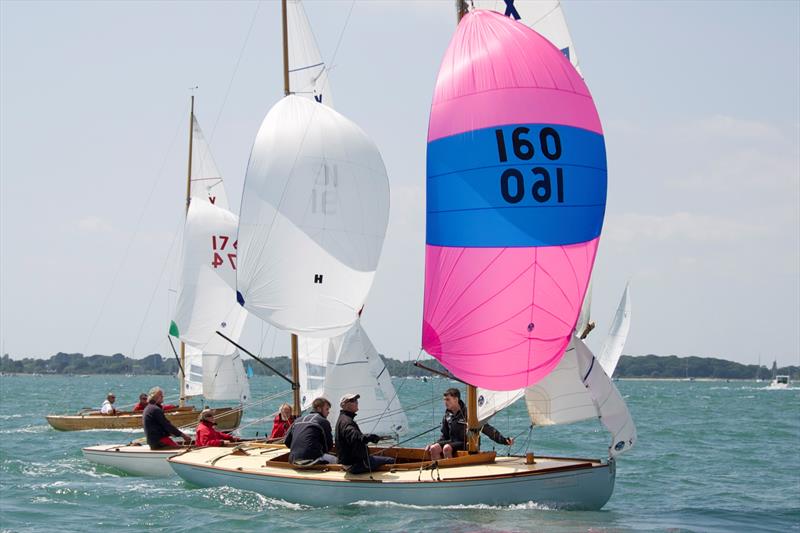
column 516, row 185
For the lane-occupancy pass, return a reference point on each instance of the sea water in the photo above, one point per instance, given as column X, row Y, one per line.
column 711, row 456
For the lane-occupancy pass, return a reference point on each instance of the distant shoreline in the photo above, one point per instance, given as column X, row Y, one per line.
column 643, row 367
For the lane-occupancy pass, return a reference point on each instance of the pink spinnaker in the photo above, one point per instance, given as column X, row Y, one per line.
column 501, row 317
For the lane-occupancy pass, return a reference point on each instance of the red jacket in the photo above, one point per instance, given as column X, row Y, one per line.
column 280, row 427
column 140, row 407
column 206, row 435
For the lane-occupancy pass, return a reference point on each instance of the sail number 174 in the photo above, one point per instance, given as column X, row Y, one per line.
column 219, row 244
column 512, row 180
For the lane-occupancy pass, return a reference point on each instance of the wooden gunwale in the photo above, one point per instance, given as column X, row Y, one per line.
column 583, row 464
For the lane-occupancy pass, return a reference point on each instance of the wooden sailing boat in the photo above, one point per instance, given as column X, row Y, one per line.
column 567, row 126
column 209, row 190
column 210, row 366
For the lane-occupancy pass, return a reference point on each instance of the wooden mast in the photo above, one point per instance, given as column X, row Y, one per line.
column 296, row 407
column 182, row 401
column 473, row 427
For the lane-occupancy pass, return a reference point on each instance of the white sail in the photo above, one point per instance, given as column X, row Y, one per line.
column 193, row 366
column 582, row 327
column 492, row 402
column 313, row 219
column 206, row 181
column 358, row 369
column 308, row 74
column 544, row 16
column 577, row 390
column 313, row 355
column 617, row 335
column 224, row 378
column 206, row 298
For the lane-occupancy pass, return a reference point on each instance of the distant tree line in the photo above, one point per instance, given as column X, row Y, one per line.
column 647, row 366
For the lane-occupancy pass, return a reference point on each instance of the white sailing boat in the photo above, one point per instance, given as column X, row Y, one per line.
column 210, row 366
column 471, row 476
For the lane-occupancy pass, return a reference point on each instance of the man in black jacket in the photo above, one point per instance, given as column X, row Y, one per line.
column 454, row 428
column 157, row 428
column 351, row 444
column 310, row 439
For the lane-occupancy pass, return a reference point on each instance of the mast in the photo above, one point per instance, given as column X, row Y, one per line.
column 473, row 427
column 284, row 25
column 182, row 401
column 296, row 407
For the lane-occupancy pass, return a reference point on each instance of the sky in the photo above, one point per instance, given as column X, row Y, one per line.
column 698, row 100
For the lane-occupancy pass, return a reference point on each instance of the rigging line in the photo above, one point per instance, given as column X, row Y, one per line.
column 135, row 233
column 398, row 443
column 155, row 289
column 235, row 70
column 341, row 35
column 396, row 393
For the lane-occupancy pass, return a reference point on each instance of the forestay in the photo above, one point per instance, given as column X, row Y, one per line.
column 308, row 74
column 313, row 219
column 577, row 390
column 516, row 191
column 617, row 335
column 544, row 16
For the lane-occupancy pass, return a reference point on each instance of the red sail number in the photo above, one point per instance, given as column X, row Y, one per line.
column 218, row 244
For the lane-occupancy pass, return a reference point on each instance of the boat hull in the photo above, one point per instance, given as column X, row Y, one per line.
column 133, row 460
column 555, row 483
column 227, row 418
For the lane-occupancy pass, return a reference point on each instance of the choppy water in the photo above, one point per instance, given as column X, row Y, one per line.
column 711, row 457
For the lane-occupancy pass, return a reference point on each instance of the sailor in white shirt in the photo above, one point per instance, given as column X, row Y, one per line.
column 108, row 405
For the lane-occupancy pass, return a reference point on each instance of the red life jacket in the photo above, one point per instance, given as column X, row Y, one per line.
column 206, row 435
column 280, row 427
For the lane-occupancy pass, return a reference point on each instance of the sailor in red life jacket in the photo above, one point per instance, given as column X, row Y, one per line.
column 142, row 403
column 282, row 422
column 206, row 435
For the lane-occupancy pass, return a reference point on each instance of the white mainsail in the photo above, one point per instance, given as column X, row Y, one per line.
column 206, row 180
column 577, row 390
column 349, row 363
column 544, row 16
column 308, row 74
column 206, row 298
column 224, row 378
column 359, row 369
column 617, row 335
column 313, row 355
column 313, row 220
column 193, row 368
column 582, row 327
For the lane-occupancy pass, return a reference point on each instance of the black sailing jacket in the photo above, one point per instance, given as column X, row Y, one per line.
column 454, row 429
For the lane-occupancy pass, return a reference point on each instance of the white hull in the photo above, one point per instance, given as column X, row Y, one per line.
column 555, row 483
column 133, row 460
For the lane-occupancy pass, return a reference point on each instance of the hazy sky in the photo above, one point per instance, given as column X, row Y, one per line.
column 699, row 103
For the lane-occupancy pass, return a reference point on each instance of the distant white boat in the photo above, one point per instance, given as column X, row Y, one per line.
column 779, row 382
